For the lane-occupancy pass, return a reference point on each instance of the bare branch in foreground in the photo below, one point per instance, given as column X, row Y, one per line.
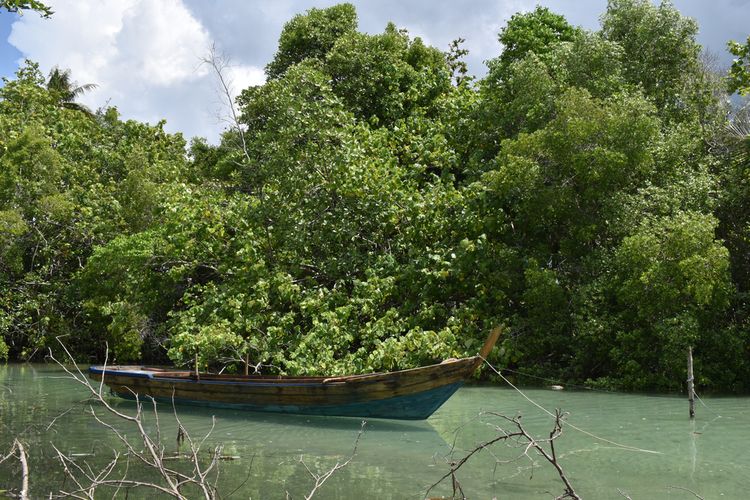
column 18, row 451
column 623, row 494
column 149, row 450
column 685, row 489
column 322, row 478
column 526, row 442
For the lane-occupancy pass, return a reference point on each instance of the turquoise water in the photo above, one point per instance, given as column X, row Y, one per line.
column 394, row 460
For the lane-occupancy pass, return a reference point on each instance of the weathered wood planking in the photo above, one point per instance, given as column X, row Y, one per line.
column 407, row 394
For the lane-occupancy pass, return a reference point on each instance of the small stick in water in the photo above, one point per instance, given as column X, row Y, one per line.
column 690, row 385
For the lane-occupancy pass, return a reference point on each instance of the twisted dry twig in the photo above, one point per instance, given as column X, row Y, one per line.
column 523, row 438
column 152, row 454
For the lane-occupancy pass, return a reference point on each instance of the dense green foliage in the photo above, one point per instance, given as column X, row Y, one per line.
column 375, row 213
column 311, row 35
column 69, row 181
column 739, row 73
column 20, row 5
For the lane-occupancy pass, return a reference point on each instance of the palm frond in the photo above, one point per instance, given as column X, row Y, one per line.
column 738, row 130
column 79, row 107
column 66, row 90
column 82, row 89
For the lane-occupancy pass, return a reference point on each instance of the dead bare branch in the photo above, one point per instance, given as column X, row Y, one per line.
column 18, row 451
column 52, row 423
column 322, row 478
column 696, row 495
column 521, row 437
column 86, row 481
column 150, row 452
column 220, row 63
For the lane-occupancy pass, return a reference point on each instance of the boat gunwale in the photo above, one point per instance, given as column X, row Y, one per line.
column 164, row 375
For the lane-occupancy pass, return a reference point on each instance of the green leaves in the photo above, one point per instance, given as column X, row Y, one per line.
column 206, row 346
column 29, row 170
column 673, row 264
column 536, row 32
column 376, row 217
column 660, row 53
column 21, row 5
column 70, row 181
column 739, row 73
column 672, row 284
column 12, row 227
column 311, row 36
column 384, row 77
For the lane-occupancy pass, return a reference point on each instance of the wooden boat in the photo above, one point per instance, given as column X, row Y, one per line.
column 412, row 394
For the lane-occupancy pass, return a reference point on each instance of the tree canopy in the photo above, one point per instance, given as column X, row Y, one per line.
column 590, row 192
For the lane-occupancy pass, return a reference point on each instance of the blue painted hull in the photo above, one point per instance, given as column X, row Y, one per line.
column 412, row 394
column 412, row 407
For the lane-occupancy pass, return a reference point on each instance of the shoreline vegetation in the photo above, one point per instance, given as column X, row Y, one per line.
column 373, row 207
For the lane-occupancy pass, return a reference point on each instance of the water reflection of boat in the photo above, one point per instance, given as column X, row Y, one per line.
column 407, row 394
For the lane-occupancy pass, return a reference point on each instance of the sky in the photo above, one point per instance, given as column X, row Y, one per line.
column 145, row 55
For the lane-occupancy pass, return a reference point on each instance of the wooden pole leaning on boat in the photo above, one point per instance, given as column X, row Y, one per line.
column 488, row 345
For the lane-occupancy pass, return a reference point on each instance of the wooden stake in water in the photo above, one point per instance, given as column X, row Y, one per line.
column 690, row 385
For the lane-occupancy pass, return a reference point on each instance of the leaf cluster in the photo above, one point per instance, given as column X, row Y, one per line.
column 380, row 210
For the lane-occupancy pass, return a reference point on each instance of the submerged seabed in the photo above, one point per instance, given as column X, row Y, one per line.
column 402, row 459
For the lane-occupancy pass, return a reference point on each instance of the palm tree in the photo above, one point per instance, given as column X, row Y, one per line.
column 739, row 133
column 61, row 84
column 735, row 205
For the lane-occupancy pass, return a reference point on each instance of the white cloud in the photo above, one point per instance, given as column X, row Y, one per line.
column 144, row 55
column 161, row 42
column 240, row 77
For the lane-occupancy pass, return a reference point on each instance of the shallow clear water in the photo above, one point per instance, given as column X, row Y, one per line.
column 710, row 456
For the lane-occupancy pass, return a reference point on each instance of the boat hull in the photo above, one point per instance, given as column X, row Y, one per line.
column 409, row 394
column 413, row 407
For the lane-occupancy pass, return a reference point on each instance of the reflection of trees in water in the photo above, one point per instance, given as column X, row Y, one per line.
column 279, row 454
column 395, row 459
